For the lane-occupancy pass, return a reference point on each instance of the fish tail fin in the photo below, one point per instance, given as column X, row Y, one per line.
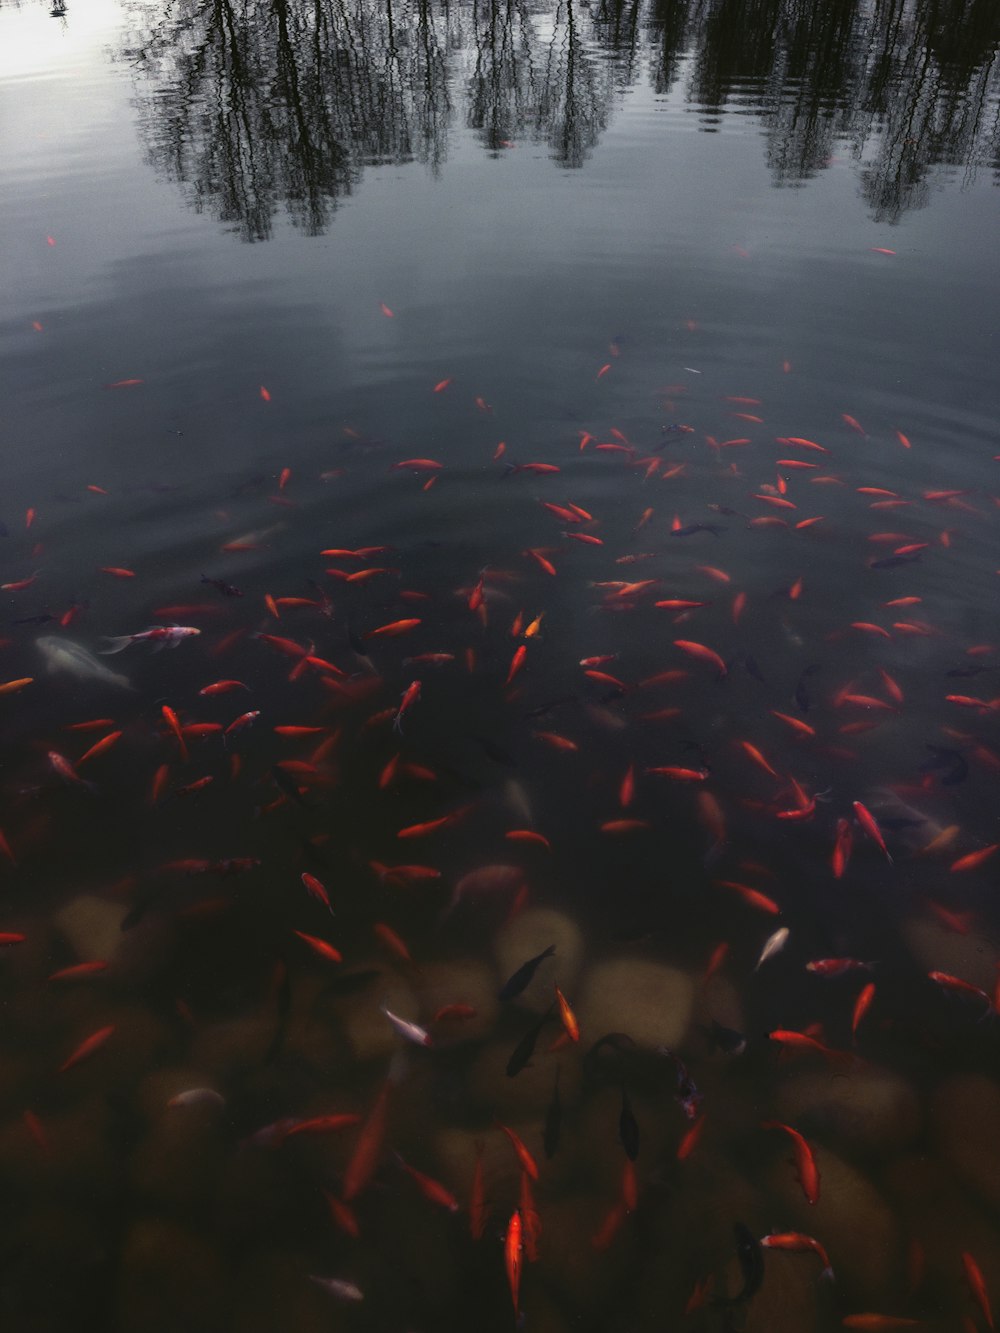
column 827, row 1275
column 117, row 645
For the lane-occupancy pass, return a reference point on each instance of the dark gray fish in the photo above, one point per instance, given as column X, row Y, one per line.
column 525, row 1048
column 801, row 693
column 898, row 822
column 952, row 762
column 33, row 620
column 628, row 1128
column 553, row 1120
column 553, row 703
column 692, row 528
column 892, row 561
column 496, row 752
column 514, row 985
column 226, row 589
column 727, row 1040
column 966, row 671
column 687, row 1094
column 751, row 1256
column 751, row 665
column 356, row 641
column 287, row 786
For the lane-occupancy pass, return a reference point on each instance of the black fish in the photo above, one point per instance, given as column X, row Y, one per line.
column 951, row 760
column 553, row 1120
column 801, row 693
column 290, row 788
column 226, row 589
column 751, row 665
column 628, row 1128
column 751, row 1257
column 692, row 528
column 892, row 561
column 727, row 1040
column 966, row 671
column 514, row 985
column 496, row 752
column 554, row 703
column 356, row 641
column 687, row 1093
column 525, row 1048
column 895, row 823
column 283, row 1007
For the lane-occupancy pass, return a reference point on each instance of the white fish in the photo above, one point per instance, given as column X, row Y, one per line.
column 774, row 944
column 337, row 1286
column 197, row 1097
column 411, row 1031
column 73, row 659
column 160, row 636
column 516, row 798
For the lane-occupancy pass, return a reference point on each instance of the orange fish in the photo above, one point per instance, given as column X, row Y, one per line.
column 105, row 743
column 368, row 1148
column 861, row 1006
column 528, row 1163
column 391, row 630
column 842, row 848
column 430, row 1188
column 804, row 1161
column 878, row 1323
column 752, row 897
column 320, row 947
column 977, row 1285
column 703, row 653
column 867, row 821
column 325, row 1124
column 12, row 686
column 512, row 1256
column 973, row 860
column 567, row 1017
column 517, row 662
column 88, row 1047
column 79, row 971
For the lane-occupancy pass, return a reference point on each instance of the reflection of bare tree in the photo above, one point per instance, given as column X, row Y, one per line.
column 280, row 103
column 263, row 106
column 534, row 75
column 908, row 85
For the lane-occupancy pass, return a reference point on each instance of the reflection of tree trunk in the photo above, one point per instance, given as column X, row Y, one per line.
column 282, row 103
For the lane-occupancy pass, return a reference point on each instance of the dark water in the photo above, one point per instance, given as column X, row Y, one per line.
column 729, row 272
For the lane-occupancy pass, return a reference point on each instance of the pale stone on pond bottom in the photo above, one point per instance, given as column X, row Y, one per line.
column 650, row 1002
column 965, row 1121
column 865, row 1109
column 529, row 935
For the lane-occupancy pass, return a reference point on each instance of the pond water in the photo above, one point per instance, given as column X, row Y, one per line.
column 566, row 435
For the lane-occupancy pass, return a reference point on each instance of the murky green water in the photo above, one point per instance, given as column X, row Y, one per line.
column 574, row 429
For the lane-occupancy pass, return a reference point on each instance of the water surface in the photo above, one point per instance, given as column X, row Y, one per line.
column 548, row 314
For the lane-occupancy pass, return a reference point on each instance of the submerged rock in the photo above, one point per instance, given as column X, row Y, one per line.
column 864, row 1109
column 525, row 938
column 964, row 1115
column 649, row 1001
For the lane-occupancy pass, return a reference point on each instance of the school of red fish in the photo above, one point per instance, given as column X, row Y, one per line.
column 366, row 805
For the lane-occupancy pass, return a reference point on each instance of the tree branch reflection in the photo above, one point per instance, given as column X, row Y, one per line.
column 263, row 107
